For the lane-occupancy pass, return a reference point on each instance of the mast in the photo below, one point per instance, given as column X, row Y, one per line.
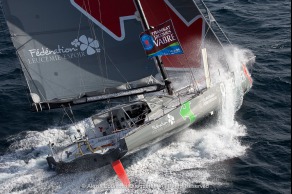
column 158, row 61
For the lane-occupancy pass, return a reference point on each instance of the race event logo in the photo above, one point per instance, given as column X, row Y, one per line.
column 161, row 40
column 148, row 42
column 81, row 47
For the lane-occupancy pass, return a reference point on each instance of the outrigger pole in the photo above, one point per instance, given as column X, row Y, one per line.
column 158, row 60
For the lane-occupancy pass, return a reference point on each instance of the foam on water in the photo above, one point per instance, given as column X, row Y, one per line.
column 177, row 164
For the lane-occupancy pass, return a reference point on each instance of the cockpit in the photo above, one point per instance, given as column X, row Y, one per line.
column 122, row 118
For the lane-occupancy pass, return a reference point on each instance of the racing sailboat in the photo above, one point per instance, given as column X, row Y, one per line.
column 93, row 51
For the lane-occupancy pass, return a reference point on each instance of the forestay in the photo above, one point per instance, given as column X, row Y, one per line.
column 74, row 50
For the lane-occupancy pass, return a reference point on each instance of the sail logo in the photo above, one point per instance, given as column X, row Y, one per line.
column 186, row 112
column 87, row 44
column 46, row 51
column 169, row 121
column 82, row 47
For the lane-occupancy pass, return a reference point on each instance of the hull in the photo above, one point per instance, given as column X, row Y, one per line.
column 89, row 162
column 179, row 114
column 180, row 118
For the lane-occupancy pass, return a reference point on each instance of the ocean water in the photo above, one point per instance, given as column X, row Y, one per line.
column 244, row 152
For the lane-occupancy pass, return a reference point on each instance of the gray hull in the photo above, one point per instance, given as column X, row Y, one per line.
column 175, row 121
column 178, row 115
column 199, row 107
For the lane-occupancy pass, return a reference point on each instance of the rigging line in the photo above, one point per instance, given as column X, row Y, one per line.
column 110, row 59
column 189, row 66
column 91, row 24
column 199, row 53
column 72, row 112
column 192, row 78
column 79, row 64
column 103, row 39
column 210, row 29
column 209, row 24
column 217, row 23
column 104, row 48
column 93, row 33
column 64, row 109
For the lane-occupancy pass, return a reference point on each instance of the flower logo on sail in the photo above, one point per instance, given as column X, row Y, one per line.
column 87, row 44
column 92, row 46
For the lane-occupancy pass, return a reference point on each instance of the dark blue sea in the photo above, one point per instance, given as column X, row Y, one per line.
column 251, row 156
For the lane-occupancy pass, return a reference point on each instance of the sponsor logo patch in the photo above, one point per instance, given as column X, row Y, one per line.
column 79, row 48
